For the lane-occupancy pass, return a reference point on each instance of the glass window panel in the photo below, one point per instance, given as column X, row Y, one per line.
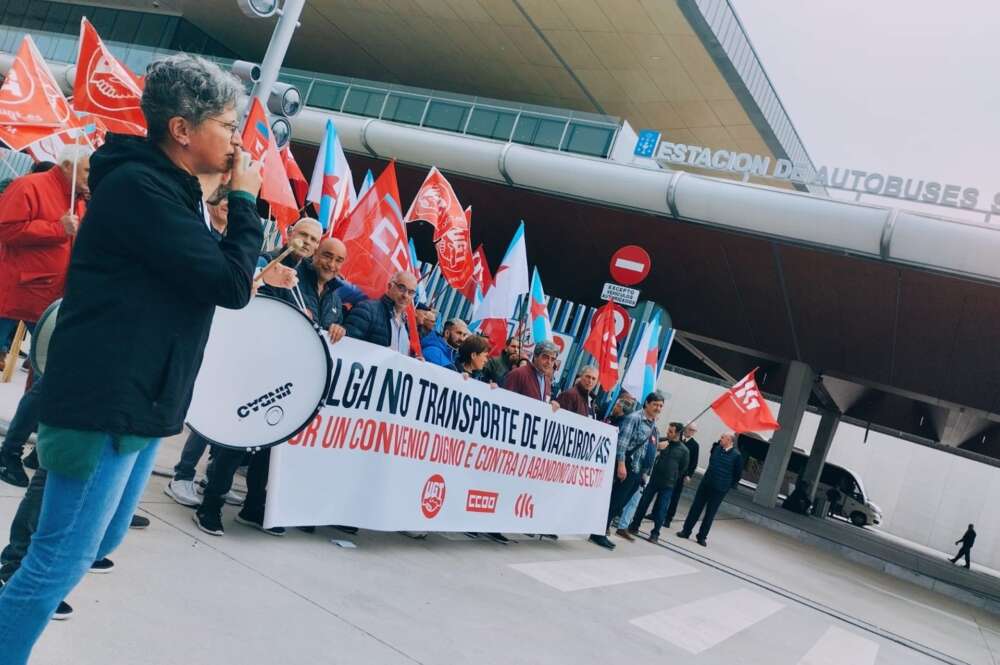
column 491, row 123
column 326, row 95
column 404, row 109
column 168, row 33
column 364, row 102
column 445, row 115
column 3, row 7
column 65, row 50
column 103, row 19
column 56, row 19
column 138, row 58
column 550, row 133
column 125, row 27
column 72, row 25
column 588, row 140
column 188, row 38
column 34, row 17
column 150, row 29
column 525, row 130
column 14, row 16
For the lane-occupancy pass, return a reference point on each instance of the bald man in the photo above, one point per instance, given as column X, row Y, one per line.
column 383, row 321
column 320, row 286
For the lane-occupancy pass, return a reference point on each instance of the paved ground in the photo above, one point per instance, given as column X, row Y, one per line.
column 753, row 596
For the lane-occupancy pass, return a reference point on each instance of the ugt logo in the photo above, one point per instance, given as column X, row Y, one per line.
column 747, row 393
column 432, row 498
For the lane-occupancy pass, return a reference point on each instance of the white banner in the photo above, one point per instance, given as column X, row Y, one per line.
column 405, row 445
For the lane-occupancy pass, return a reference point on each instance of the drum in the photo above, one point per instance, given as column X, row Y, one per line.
column 42, row 336
column 263, row 378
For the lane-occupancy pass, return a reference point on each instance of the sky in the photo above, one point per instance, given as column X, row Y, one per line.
column 903, row 87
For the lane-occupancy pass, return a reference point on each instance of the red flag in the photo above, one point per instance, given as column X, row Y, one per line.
column 743, row 409
column 496, row 331
column 106, row 87
column 300, row 186
column 437, row 204
column 258, row 140
column 603, row 345
column 31, row 103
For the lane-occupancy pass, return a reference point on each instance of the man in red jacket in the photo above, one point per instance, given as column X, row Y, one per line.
column 578, row 397
column 535, row 380
column 37, row 229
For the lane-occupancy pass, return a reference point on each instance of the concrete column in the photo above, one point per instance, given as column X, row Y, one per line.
column 821, row 447
column 798, row 386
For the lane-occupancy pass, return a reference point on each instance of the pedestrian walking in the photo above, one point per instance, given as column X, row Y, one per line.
column 967, row 540
column 725, row 467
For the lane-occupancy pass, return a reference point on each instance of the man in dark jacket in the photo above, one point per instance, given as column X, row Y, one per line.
column 497, row 368
column 144, row 280
column 305, row 234
column 383, row 321
column 670, row 466
column 967, row 540
column 693, row 450
column 441, row 349
column 535, row 380
column 577, row 398
column 725, row 467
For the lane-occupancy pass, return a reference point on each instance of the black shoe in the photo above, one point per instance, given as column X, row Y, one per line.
column 498, row 538
column 104, row 565
column 259, row 525
column 31, row 462
column 346, row 529
column 683, row 534
column 549, row 536
column 307, row 529
column 138, row 522
column 654, row 537
column 702, row 542
column 12, row 470
column 601, row 540
column 209, row 519
column 63, row 612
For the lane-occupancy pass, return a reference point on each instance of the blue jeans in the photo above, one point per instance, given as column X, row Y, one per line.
column 629, row 510
column 7, row 329
column 81, row 521
column 194, row 448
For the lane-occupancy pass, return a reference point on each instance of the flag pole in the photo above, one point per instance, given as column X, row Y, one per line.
column 72, row 184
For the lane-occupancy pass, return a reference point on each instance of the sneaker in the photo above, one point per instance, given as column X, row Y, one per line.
column 104, row 565
column 139, row 522
column 602, row 540
column 231, row 498
column 183, row 492
column 498, row 538
column 273, row 531
column 31, row 462
column 63, row 612
column 12, row 470
column 210, row 523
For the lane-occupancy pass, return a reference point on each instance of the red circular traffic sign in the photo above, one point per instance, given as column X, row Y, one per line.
column 630, row 265
column 622, row 320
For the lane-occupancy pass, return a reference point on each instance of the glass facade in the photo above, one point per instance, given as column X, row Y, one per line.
column 137, row 38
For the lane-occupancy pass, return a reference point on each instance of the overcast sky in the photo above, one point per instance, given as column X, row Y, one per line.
column 907, row 87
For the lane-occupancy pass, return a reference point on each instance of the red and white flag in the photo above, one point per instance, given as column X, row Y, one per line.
column 300, row 186
column 743, row 409
column 437, row 204
column 603, row 345
column 32, row 107
column 105, row 87
column 258, row 140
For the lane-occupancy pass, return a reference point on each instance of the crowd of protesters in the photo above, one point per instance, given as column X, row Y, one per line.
column 123, row 359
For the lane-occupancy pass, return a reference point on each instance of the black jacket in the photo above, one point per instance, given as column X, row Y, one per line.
column 144, row 280
column 693, row 449
column 670, row 466
column 724, row 469
column 369, row 321
column 326, row 307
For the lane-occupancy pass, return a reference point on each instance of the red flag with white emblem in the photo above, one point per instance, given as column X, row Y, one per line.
column 437, row 204
column 603, row 345
column 258, row 140
column 32, row 107
column 105, row 87
column 743, row 409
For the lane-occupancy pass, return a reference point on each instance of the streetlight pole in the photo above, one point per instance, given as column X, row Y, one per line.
column 276, row 49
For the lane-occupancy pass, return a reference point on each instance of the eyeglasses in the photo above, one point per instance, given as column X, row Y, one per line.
column 402, row 289
column 233, row 127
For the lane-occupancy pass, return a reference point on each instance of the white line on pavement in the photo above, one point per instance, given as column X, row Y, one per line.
column 698, row 626
column 838, row 646
column 577, row 574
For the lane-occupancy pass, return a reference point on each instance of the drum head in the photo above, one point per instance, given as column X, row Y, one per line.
column 263, row 377
column 42, row 336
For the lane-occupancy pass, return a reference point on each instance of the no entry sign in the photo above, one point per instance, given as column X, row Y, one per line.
column 630, row 265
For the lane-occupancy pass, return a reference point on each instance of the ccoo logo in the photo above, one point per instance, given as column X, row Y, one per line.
column 524, row 506
column 432, row 498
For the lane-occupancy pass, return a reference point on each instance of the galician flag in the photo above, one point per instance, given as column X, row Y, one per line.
column 640, row 378
column 332, row 185
column 538, row 313
column 509, row 282
column 366, row 184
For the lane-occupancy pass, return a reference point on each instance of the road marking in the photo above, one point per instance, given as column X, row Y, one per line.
column 698, row 626
column 923, row 605
column 838, row 646
column 625, row 264
column 577, row 574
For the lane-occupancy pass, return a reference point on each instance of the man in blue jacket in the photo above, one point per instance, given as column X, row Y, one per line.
column 382, row 321
column 441, row 349
column 725, row 467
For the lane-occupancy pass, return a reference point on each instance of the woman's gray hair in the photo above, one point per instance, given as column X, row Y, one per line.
column 190, row 87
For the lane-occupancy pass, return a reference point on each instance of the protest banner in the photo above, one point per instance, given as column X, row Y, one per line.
column 405, row 445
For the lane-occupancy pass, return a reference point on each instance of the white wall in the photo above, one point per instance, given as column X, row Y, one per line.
column 926, row 496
